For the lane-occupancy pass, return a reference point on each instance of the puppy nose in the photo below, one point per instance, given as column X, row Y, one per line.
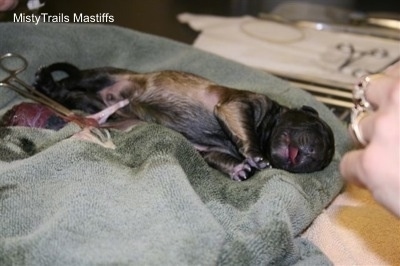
column 310, row 150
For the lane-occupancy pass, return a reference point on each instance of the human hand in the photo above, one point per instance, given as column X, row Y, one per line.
column 6, row 5
column 377, row 165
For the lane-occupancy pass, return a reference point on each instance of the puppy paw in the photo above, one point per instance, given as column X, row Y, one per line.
column 247, row 168
column 242, row 171
column 258, row 162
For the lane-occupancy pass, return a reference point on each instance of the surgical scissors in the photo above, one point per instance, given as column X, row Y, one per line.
column 13, row 64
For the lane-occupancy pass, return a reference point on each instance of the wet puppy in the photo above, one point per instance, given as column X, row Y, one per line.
column 237, row 132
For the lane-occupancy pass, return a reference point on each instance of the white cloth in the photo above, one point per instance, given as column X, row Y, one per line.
column 284, row 49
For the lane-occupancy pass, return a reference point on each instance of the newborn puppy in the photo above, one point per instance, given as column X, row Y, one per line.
column 237, row 132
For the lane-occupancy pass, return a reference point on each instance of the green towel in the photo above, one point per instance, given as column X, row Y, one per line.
column 152, row 200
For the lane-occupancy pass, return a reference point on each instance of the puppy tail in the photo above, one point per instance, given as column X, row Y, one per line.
column 69, row 69
column 44, row 78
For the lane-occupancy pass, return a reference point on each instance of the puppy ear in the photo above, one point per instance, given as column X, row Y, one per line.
column 309, row 109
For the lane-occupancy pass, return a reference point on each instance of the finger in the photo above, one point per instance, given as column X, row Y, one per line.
column 378, row 88
column 367, row 126
column 351, row 168
column 393, row 70
column 8, row 5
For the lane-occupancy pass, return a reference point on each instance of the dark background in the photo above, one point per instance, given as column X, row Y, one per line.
column 159, row 16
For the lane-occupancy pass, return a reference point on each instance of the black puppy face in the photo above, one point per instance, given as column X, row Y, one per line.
column 301, row 141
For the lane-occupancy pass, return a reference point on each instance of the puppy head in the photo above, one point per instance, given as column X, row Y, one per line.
column 301, row 142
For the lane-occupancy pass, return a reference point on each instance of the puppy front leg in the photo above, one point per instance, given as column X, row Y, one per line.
column 236, row 169
column 238, row 118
